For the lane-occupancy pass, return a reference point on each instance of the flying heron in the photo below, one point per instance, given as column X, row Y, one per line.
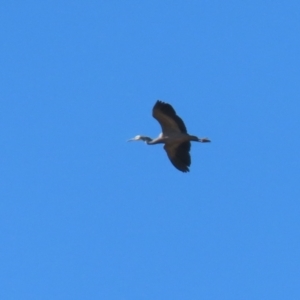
column 174, row 135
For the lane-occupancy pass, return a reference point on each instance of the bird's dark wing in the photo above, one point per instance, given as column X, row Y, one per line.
column 179, row 155
column 165, row 114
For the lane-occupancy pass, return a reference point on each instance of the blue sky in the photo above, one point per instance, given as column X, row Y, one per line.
column 85, row 215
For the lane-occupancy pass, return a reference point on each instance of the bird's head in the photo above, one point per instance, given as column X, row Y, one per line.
column 140, row 138
column 136, row 138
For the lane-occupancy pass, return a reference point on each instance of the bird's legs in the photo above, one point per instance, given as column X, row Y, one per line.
column 196, row 139
column 204, row 140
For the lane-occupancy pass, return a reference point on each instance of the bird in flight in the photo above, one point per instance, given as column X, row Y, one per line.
column 174, row 135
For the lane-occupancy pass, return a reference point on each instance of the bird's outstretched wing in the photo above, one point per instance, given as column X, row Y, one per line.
column 165, row 114
column 179, row 155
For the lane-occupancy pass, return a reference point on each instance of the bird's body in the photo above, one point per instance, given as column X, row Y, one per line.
column 174, row 135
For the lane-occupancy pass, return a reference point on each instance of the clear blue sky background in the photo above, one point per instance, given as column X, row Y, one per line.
column 85, row 215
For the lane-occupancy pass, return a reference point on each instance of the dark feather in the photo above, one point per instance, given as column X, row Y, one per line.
column 165, row 114
column 179, row 155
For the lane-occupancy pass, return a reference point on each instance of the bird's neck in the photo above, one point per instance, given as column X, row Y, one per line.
column 146, row 139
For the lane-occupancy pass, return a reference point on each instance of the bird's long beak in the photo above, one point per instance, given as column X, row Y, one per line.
column 131, row 140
